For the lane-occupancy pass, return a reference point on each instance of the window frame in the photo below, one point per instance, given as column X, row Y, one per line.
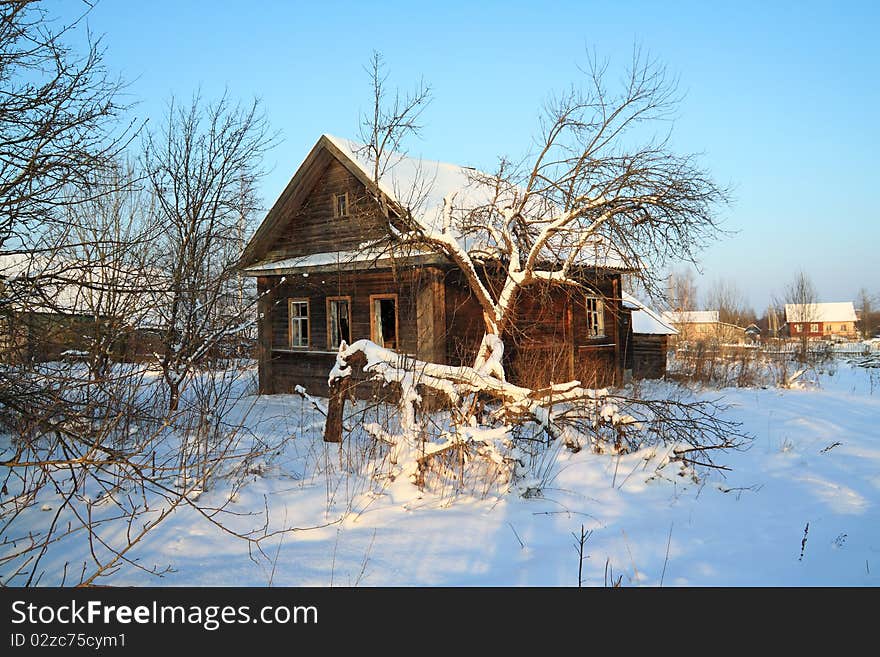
column 379, row 297
column 599, row 312
column 290, row 319
column 330, row 345
column 335, row 205
column 814, row 327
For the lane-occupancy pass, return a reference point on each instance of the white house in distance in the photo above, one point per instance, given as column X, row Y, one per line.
column 821, row 320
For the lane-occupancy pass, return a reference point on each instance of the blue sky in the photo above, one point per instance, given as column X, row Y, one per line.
column 781, row 98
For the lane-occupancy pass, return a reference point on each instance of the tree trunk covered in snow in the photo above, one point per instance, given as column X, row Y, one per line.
column 339, row 390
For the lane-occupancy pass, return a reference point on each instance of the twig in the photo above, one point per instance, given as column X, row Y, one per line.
column 804, row 542
column 580, row 540
column 631, row 560
column 366, row 559
column 666, row 560
column 521, row 544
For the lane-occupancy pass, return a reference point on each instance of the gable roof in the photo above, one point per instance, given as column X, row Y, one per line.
column 644, row 320
column 415, row 183
column 422, row 185
column 692, row 316
column 842, row 311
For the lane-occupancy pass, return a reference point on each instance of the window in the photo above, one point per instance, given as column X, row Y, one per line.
column 797, row 328
column 814, row 328
column 595, row 318
column 338, row 321
column 383, row 320
column 298, row 312
column 340, row 205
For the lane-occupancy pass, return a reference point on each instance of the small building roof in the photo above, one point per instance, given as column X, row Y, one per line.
column 842, row 311
column 644, row 320
column 692, row 317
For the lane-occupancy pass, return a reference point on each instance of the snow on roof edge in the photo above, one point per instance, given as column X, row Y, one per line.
column 833, row 311
column 648, row 321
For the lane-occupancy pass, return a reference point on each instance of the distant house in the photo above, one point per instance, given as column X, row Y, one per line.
column 818, row 321
column 645, row 353
column 703, row 326
column 753, row 332
column 53, row 308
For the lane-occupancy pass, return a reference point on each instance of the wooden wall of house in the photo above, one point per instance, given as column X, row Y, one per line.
column 548, row 342
column 282, row 366
column 41, row 337
column 598, row 360
column 440, row 320
column 539, row 346
column 464, row 321
column 649, row 356
column 307, row 225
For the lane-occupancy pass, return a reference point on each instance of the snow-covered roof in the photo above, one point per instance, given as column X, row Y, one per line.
column 644, row 320
column 419, row 184
column 367, row 256
column 692, row 316
column 842, row 311
column 423, row 187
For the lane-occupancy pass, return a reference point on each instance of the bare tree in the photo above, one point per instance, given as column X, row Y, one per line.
column 682, row 290
column 593, row 192
column 102, row 257
column 59, row 113
column 801, row 309
column 579, row 198
column 867, row 320
column 91, row 457
column 392, row 120
column 725, row 296
column 202, row 167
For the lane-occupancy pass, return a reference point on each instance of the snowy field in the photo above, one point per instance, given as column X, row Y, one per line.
column 798, row 508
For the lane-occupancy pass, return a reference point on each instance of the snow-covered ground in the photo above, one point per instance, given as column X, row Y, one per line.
column 798, row 508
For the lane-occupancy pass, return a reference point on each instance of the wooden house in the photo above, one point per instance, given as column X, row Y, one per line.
column 647, row 340
column 753, row 333
column 54, row 308
column 328, row 271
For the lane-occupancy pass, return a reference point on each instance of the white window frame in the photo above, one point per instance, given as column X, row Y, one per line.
column 291, row 319
column 814, row 328
column 595, row 314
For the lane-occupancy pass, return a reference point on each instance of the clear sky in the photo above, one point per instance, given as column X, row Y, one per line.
column 782, row 98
